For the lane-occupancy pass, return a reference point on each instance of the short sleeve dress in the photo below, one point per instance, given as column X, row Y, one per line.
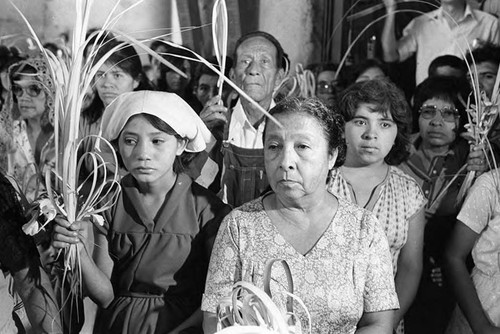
column 481, row 213
column 395, row 201
column 160, row 262
column 346, row 273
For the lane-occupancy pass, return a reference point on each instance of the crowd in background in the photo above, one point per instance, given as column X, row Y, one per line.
column 354, row 184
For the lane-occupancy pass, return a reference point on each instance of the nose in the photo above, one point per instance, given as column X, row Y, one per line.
column 142, row 150
column 253, row 68
column 370, row 132
column 106, row 80
column 437, row 120
column 287, row 162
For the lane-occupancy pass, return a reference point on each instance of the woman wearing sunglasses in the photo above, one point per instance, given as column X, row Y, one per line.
column 438, row 154
column 32, row 108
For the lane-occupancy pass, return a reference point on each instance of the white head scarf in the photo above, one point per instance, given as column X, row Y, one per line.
column 168, row 107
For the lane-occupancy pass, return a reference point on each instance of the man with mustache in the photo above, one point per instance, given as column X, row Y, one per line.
column 257, row 70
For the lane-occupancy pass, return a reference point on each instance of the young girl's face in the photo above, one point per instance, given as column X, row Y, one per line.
column 369, row 137
column 148, row 153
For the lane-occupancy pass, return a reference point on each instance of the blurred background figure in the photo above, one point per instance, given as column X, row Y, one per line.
column 327, row 84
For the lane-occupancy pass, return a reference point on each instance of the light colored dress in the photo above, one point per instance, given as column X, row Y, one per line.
column 346, row 273
column 481, row 213
column 394, row 202
column 22, row 163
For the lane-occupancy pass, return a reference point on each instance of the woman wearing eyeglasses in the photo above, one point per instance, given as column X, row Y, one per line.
column 438, row 154
column 33, row 149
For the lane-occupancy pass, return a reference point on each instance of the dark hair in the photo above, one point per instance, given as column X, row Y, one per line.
column 331, row 122
column 444, row 88
column 180, row 162
column 127, row 59
column 446, row 60
column 488, row 52
column 155, row 45
column 177, row 57
column 8, row 57
column 353, row 72
column 280, row 62
column 385, row 98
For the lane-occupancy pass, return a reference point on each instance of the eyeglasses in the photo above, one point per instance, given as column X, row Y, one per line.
column 326, row 87
column 32, row 90
column 448, row 114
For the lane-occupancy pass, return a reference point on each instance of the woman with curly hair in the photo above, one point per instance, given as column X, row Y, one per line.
column 376, row 135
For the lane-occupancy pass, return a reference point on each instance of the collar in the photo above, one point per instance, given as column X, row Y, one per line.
column 439, row 13
column 239, row 116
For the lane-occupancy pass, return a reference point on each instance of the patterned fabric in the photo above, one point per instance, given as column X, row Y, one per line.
column 399, row 198
column 22, row 160
column 481, row 213
column 346, row 273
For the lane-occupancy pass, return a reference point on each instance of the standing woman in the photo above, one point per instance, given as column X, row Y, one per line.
column 121, row 73
column 376, row 135
column 148, row 268
column 33, row 132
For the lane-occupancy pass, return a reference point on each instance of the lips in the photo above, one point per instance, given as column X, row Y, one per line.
column 144, row 170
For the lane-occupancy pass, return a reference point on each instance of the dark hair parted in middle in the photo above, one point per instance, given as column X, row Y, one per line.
column 331, row 122
column 383, row 97
column 443, row 88
column 181, row 162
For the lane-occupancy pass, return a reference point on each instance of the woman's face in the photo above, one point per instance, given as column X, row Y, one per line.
column 177, row 83
column 436, row 131
column 206, row 88
column 372, row 73
column 297, row 157
column 31, row 98
column 369, row 137
column 111, row 81
column 148, row 153
column 326, row 87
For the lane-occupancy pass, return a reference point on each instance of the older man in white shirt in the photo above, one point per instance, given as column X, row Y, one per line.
column 257, row 70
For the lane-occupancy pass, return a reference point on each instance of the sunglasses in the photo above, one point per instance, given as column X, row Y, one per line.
column 32, row 90
column 448, row 114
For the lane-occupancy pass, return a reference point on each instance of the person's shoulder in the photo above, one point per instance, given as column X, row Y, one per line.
column 397, row 173
column 483, row 16
column 356, row 217
column 202, row 196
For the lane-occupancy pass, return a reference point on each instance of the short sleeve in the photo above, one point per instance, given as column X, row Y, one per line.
column 225, row 265
column 480, row 203
column 380, row 293
column 407, row 45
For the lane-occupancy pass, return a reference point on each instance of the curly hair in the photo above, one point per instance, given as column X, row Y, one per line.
column 385, row 98
column 331, row 122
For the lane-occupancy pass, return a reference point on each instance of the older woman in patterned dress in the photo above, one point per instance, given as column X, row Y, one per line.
column 338, row 256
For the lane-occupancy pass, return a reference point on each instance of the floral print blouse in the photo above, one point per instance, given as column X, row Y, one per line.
column 347, row 272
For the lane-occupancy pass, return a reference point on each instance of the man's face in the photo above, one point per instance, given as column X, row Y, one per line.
column 486, row 76
column 256, row 70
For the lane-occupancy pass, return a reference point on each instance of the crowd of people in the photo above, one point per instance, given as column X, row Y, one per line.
column 354, row 187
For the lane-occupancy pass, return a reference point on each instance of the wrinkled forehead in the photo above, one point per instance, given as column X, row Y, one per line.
column 26, row 80
column 257, row 44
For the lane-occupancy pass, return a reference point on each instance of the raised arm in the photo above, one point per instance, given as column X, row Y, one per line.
column 410, row 265
column 389, row 43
